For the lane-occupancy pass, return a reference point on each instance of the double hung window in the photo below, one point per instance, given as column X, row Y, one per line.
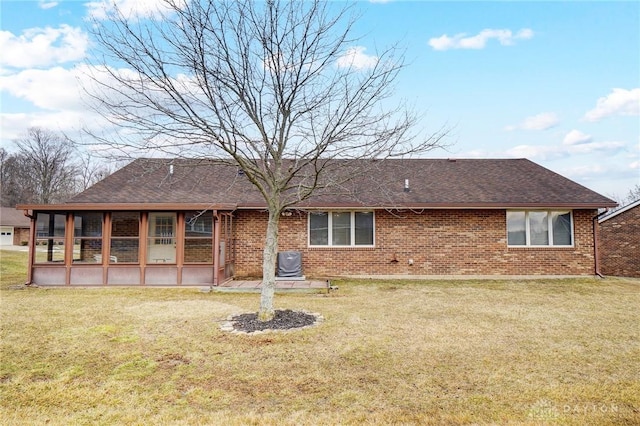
column 341, row 229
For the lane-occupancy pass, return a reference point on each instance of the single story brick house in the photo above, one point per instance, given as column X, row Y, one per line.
column 620, row 241
column 14, row 227
column 182, row 222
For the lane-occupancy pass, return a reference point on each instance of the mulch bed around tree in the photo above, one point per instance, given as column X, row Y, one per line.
column 283, row 320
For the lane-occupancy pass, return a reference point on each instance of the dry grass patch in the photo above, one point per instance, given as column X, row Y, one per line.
column 481, row 352
column 13, row 268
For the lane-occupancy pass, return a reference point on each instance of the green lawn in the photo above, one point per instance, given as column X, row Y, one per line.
column 434, row 352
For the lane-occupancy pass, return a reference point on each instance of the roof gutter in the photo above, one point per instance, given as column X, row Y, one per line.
column 432, row 206
column 302, row 206
column 127, row 207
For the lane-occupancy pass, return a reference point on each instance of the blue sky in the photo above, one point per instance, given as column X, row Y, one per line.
column 555, row 82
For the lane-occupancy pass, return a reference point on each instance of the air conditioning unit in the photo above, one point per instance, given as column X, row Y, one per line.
column 290, row 265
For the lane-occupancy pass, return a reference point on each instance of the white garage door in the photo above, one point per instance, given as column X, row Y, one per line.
column 6, row 235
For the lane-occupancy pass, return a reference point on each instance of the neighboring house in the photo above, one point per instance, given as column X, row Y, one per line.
column 173, row 222
column 619, row 242
column 14, row 227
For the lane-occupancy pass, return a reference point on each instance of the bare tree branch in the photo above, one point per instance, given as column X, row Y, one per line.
column 267, row 86
column 48, row 166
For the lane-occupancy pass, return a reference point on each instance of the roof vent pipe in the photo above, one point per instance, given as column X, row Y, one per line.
column 171, row 169
column 406, row 185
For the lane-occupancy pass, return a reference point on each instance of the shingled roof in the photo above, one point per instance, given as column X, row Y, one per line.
column 12, row 217
column 433, row 183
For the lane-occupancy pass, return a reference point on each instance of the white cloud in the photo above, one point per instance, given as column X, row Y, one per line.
column 542, row 121
column 591, row 147
column 14, row 125
column 61, row 102
column 587, row 171
column 479, row 41
column 52, row 89
column 618, row 102
column 530, row 151
column 58, row 88
column 102, row 9
column 41, row 47
column 73, row 124
column 606, row 177
column 356, row 58
column 546, row 152
column 576, row 137
column 57, row 102
column 477, row 153
column 42, row 4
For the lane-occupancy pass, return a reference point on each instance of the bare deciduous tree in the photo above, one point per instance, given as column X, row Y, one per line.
column 91, row 171
column 44, row 167
column 13, row 188
column 632, row 196
column 275, row 87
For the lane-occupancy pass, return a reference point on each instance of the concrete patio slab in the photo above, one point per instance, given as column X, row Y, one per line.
column 248, row 286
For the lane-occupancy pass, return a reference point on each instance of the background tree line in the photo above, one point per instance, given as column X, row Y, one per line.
column 46, row 167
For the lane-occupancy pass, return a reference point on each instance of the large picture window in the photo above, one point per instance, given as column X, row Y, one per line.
column 539, row 228
column 341, row 229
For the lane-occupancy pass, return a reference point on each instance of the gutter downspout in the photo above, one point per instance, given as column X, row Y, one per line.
column 596, row 253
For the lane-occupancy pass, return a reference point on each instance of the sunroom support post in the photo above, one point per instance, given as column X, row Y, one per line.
column 216, row 248
column 68, row 245
column 144, row 228
column 179, row 243
column 106, row 246
column 32, row 245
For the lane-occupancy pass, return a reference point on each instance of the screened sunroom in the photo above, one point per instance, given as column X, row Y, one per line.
column 149, row 245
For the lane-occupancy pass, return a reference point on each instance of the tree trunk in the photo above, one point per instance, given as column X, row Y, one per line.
column 270, row 252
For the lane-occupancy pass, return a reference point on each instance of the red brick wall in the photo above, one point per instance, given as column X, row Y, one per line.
column 619, row 247
column 440, row 242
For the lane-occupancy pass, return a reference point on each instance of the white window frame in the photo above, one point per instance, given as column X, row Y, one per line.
column 352, row 230
column 549, row 229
